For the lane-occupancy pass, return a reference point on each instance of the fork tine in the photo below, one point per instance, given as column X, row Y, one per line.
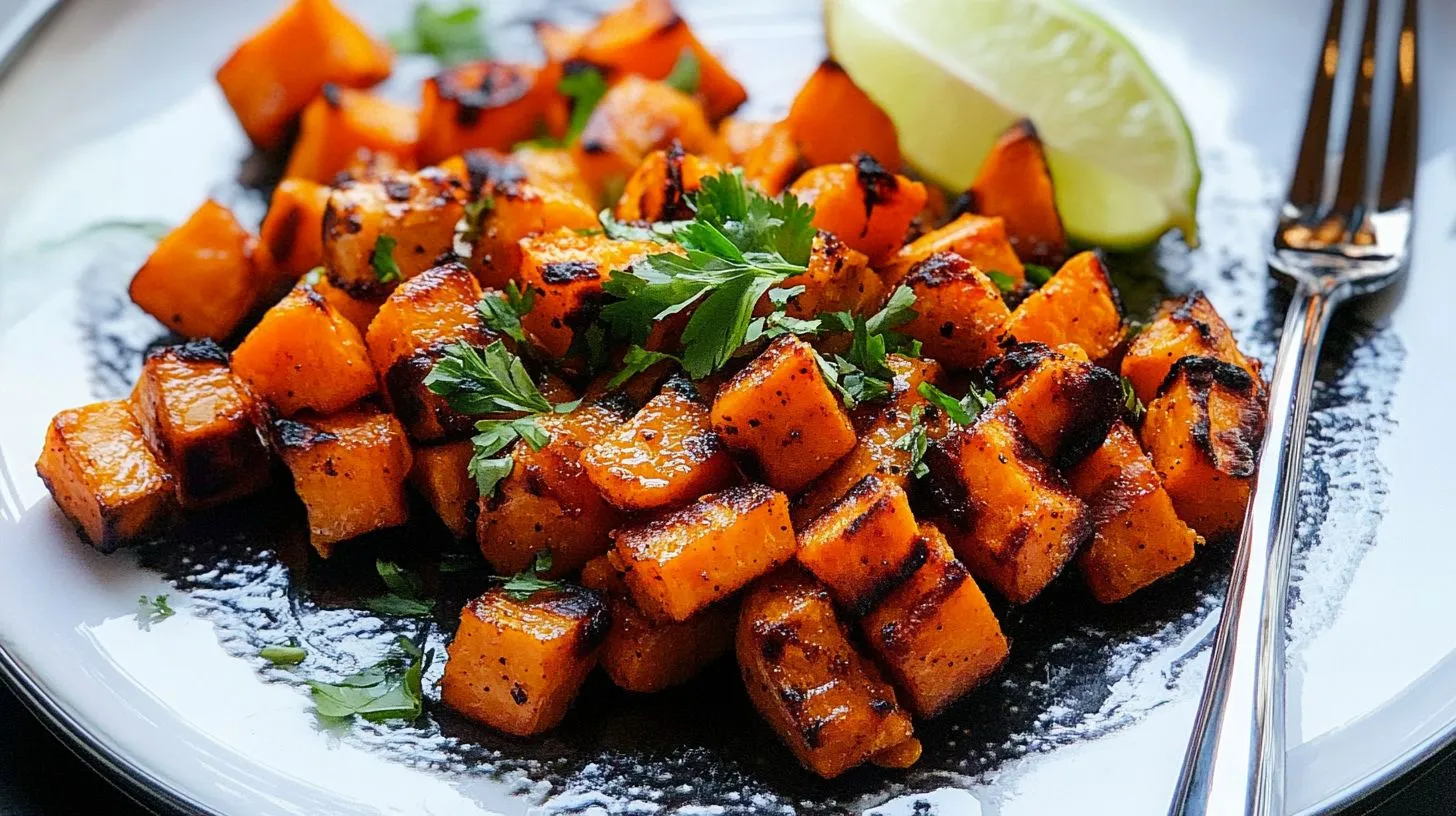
column 1309, row 171
column 1399, row 179
column 1350, row 194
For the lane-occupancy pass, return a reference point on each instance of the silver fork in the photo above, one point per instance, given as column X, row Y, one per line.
column 1343, row 232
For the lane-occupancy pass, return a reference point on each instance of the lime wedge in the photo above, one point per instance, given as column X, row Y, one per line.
column 953, row 74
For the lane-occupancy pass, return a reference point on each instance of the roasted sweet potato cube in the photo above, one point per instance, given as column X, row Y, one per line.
column 935, row 633
column 485, row 104
column 780, row 410
column 567, row 269
column 833, row 121
column 1078, row 305
column 547, row 502
column 293, row 230
column 666, row 456
column 679, row 563
column 867, row 206
column 634, row 118
column 645, row 656
column 766, row 151
column 407, row 218
column 959, row 313
column 741, row 136
column 825, row 700
column 1203, row 433
column 1183, row 327
column 1065, row 405
column 104, row 477
column 279, row 69
column 340, row 123
column 198, row 419
column 205, row 277
column 659, row 188
column 1137, row 538
column 303, row 354
column 440, row 474
column 838, row 279
column 978, row 239
column 559, row 43
column 1015, row 183
column 1015, row 523
column 520, row 211
column 349, row 469
column 358, row 311
column 517, row 663
column 863, row 545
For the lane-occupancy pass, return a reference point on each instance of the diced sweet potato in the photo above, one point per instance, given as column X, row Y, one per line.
column 559, row 43
column 198, row 419
column 666, row 456
column 838, row 279
column 294, row 227
column 864, row 545
column 304, row 354
column 1065, row 405
column 827, row 703
column 679, row 563
column 959, row 312
column 1203, row 433
column 358, row 311
column 645, row 656
column 867, row 206
column 101, row 473
column 833, row 121
column 205, row 277
column 775, row 162
column 741, row 136
column 978, row 239
column 1078, row 305
column 341, row 122
column 547, row 502
column 1183, row 327
column 658, row 190
column 440, row 474
column 409, row 218
column 1137, row 538
column 519, row 208
column 567, row 269
column 1015, row 523
column 935, row 632
column 279, row 69
column 647, row 38
column 634, row 118
column 780, row 410
column 516, row 664
column 1015, row 183
column 349, row 469
column 485, row 104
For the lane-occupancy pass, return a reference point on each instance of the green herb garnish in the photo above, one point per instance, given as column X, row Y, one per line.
column 660, row 232
column 503, row 312
column 474, row 215
column 636, row 361
column 389, row 690
column 1003, row 281
column 406, row 596
column 452, row 37
column 585, row 88
column 524, row 584
column 962, row 411
column 1037, row 275
column 290, row 654
column 1130, row 402
column 385, row 269
column 863, row 373
column 687, row 72
column 917, row 442
column 152, row 610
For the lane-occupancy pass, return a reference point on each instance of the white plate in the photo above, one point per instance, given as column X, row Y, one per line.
column 113, row 114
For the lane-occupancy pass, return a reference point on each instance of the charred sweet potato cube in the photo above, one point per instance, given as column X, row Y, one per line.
column 978, row 239
column 409, row 218
column 838, row 279
column 666, row 456
column 780, row 410
column 279, row 69
column 1078, row 305
column 1203, row 433
column 1137, row 537
column 1015, row 183
column 645, row 656
column 659, row 188
column 293, row 230
column 104, row 477
column 357, row 311
column 1183, row 327
column 198, row 419
column 204, row 277
column 647, row 38
column 825, row 700
column 1016, row 525
column 516, row 663
column 679, row 563
column 349, row 469
column 304, row 354
column 521, row 210
column 863, row 545
column 833, row 121
column 867, row 206
column 1065, row 405
column 566, row 270
column 634, row 118
column 485, row 104
column 935, row 632
column 959, row 313
column 440, row 474
column 341, row 122
column 774, row 163
column 547, row 502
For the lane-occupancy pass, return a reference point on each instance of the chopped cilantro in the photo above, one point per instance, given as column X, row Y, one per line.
column 389, row 690
column 636, row 361
column 964, row 410
column 1130, row 402
column 524, row 584
column 503, row 311
column 406, row 596
column 451, row 37
column 385, row 269
column 152, row 610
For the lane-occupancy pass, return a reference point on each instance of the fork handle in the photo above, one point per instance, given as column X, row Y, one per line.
column 1235, row 759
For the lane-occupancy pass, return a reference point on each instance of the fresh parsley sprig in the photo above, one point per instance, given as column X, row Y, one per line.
column 452, row 37
column 917, row 442
column 152, row 610
column 406, row 596
column 687, row 73
column 527, row 582
column 1130, row 402
column 863, row 373
column 392, row 689
column 636, row 361
column 962, row 411
column 503, row 312
column 386, row 270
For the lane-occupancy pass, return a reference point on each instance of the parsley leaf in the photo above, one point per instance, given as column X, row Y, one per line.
column 917, row 442
column 492, row 382
column 474, row 215
column 152, row 610
column 524, row 584
column 389, row 690
column 687, row 73
column 406, row 593
column 964, row 410
column 660, row 232
column 1003, row 281
column 503, row 312
column 385, row 269
column 585, row 88
column 862, row 374
column 1130, row 402
column 1037, row 275
column 290, row 654
column 636, row 361
column 451, row 37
